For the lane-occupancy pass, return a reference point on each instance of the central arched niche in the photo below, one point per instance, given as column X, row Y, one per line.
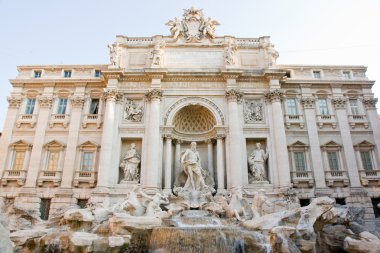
column 194, row 122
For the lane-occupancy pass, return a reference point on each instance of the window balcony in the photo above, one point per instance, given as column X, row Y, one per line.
column 358, row 119
column 18, row 176
column 95, row 119
column 302, row 179
column 28, row 119
column 370, row 177
column 294, row 119
column 85, row 178
column 49, row 176
column 326, row 119
column 336, row 178
column 63, row 119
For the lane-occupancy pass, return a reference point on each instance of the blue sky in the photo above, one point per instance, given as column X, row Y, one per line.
column 77, row 32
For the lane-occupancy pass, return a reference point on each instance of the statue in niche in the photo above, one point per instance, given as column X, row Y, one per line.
column 130, row 165
column 230, row 54
column 256, row 163
column 253, row 111
column 133, row 112
column 157, row 53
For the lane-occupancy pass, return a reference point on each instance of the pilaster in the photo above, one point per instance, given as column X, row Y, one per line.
column 370, row 107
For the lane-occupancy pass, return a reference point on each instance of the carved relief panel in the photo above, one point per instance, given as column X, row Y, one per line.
column 133, row 110
column 253, row 111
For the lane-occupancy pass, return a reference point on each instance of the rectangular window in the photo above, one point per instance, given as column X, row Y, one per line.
column 37, row 73
column 98, row 73
column 346, row 75
column 87, row 161
column 30, row 105
column 354, row 106
column 317, row 74
column 333, row 160
column 67, row 73
column 292, row 106
column 18, row 160
column 62, row 105
column 323, row 108
column 94, row 106
column 300, row 161
column 45, row 208
column 366, row 160
column 52, row 162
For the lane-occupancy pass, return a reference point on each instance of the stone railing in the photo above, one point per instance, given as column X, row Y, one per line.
column 337, row 178
column 302, row 179
column 354, row 120
column 62, row 119
column 294, row 119
column 139, row 41
column 247, row 42
column 30, row 119
column 370, row 177
column 18, row 176
column 96, row 119
column 85, row 178
column 326, row 119
column 49, row 176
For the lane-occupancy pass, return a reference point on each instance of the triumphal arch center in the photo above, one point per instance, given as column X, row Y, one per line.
column 190, row 114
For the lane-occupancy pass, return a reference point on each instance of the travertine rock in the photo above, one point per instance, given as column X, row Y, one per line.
column 5, row 242
column 120, row 223
column 367, row 243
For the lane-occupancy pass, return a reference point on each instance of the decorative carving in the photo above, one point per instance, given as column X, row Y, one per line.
column 231, row 54
column 112, row 94
column 194, row 119
column 45, row 101
column 274, row 95
column 253, row 111
column 77, row 101
column 234, row 95
column 308, row 102
column 193, row 27
column 370, row 103
column 153, row 94
column 256, row 163
column 273, row 55
column 339, row 102
column 114, row 54
column 157, row 54
column 130, row 165
column 14, row 102
column 133, row 110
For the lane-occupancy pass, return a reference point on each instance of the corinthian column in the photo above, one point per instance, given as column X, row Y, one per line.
column 105, row 161
column 235, row 167
column 370, row 106
column 168, row 163
column 210, row 158
column 220, row 162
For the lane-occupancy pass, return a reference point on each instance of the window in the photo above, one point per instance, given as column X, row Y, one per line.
column 340, row 201
column 317, row 74
column 82, row 203
column 87, row 161
column 300, row 161
column 67, row 73
column 323, row 107
column 346, row 74
column 18, row 160
column 30, row 105
column 52, row 163
column 94, row 106
column 354, row 106
column 304, row 202
column 366, row 160
column 45, row 208
column 37, row 73
column 333, row 160
column 62, row 104
column 292, row 106
column 98, row 73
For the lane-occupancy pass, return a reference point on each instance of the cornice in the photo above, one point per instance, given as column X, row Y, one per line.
column 54, row 81
column 327, row 81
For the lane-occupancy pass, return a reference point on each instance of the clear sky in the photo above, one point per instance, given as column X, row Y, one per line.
column 77, row 31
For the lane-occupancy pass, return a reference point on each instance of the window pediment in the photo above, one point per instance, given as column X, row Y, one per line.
column 54, row 145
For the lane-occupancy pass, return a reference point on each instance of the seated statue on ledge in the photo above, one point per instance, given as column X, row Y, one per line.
column 256, row 163
column 130, row 165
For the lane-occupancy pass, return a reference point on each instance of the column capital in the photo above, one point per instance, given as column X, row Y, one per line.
column 14, row 102
column 208, row 141
column 153, row 94
column 274, row 95
column 112, row 95
column 45, row 101
column 167, row 136
column 234, row 95
column 220, row 136
column 339, row 102
column 178, row 141
column 370, row 103
column 77, row 101
column 308, row 102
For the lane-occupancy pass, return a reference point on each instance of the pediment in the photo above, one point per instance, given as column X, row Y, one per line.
column 365, row 144
column 331, row 144
column 298, row 144
column 20, row 143
column 54, row 144
column 88, row 144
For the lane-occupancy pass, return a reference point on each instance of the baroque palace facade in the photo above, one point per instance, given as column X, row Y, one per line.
column 90, row 133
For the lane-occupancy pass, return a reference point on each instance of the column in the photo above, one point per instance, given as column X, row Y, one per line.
column 105, row 160
column 220, row 162
column 210, row 158
column 274, row 96
column 315, row 146
column 6, row 138
column 68, row 171
column 44, row 103
column 235, row 167
column 370, row 106
column 177, row 162
column 348, row 147
column 168, row 163
column 153, row 139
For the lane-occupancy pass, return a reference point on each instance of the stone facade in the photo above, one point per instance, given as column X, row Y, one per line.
column 68, row 128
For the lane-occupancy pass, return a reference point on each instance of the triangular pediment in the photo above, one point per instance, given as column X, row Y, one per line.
column 364, row 144
column 54, row 144
column 298, row 144
column 20, row 143
column 331, row 144
column 89, row 144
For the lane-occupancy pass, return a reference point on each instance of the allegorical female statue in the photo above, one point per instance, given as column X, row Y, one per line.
column 256, row 163
column 130, row 165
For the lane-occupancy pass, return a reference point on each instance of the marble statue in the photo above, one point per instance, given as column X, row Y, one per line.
column 175, row 27
column 114, row 54
column 191, row 165
column 132, row 111
column 130, row 164
column 253, row 111
column 156, row 54
column 208, row 27
column 230, row 54
column 256, row 163
column 132, row 205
